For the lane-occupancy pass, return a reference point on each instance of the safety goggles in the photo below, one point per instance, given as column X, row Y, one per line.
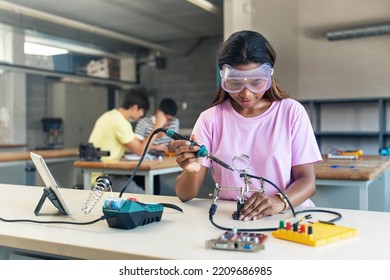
column 257, row 80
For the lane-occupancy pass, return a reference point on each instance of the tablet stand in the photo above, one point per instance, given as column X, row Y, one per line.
column 48, row 193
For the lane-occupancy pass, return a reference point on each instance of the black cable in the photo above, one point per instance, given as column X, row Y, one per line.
column 276, row 187
column 338, row 215
column 53, row 222
column 213, row 210
column 102, row 218
column 172, row 206
column 141, row 159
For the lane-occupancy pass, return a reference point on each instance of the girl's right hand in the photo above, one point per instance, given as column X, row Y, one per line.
column 186, row 155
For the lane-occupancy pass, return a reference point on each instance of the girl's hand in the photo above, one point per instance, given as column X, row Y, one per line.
column 186, row 155
column 260, row 205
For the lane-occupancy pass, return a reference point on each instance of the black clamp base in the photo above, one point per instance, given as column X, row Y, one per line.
column 236, row 214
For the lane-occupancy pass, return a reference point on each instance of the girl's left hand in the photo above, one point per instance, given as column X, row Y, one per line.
column 260, row 205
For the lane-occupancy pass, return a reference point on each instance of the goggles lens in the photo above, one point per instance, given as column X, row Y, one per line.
column 257, row 80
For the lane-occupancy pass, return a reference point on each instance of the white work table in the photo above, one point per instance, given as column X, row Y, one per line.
column 176, row 236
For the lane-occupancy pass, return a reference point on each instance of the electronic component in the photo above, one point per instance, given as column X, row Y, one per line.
column 345, row 154
column 129, row 214
column 240, row 241
column 313, row 234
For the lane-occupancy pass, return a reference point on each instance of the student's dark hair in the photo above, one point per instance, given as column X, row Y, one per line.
column 168, row 106
column 246, row 47
column 136, row 96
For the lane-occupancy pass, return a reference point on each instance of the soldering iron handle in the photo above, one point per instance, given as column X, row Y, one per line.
column 176, row 136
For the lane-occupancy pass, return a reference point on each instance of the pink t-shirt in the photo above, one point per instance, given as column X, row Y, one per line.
column 275, row 141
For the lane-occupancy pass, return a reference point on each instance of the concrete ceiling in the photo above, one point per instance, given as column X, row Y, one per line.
column 116, row 25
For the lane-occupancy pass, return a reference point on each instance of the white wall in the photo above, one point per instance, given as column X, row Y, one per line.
column 311, row 67
column 308, row 65
column 348, row 68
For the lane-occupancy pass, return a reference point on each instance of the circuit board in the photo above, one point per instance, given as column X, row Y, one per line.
column 238, row 241
column 314, row 234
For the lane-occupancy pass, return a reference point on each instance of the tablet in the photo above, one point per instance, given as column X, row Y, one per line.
column 51, row 191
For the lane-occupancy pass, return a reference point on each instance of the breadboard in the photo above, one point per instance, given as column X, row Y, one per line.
column 315, row 234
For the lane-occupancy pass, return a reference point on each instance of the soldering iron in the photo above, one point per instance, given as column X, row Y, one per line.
column 202, row 152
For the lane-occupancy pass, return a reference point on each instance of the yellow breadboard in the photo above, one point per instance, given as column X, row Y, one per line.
column 321, row 234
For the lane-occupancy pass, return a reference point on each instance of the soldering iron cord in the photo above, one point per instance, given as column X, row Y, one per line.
column 276, row 187
column 102, row 218
column 213, row 210
column 141, row 160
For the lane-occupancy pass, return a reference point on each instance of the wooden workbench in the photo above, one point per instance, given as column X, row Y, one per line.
column 13, row 146
column 353, row 183
column 364, row 168
column 46, row 154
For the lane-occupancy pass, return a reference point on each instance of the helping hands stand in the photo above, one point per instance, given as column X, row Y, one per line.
column 244, row 189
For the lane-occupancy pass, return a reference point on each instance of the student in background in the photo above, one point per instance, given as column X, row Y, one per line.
column 113, row 131
column 252, row 115
column 146, row 125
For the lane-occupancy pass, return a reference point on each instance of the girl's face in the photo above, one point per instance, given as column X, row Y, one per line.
column 247, row 99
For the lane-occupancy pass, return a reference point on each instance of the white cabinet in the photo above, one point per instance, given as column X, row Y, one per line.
column 79, row 106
